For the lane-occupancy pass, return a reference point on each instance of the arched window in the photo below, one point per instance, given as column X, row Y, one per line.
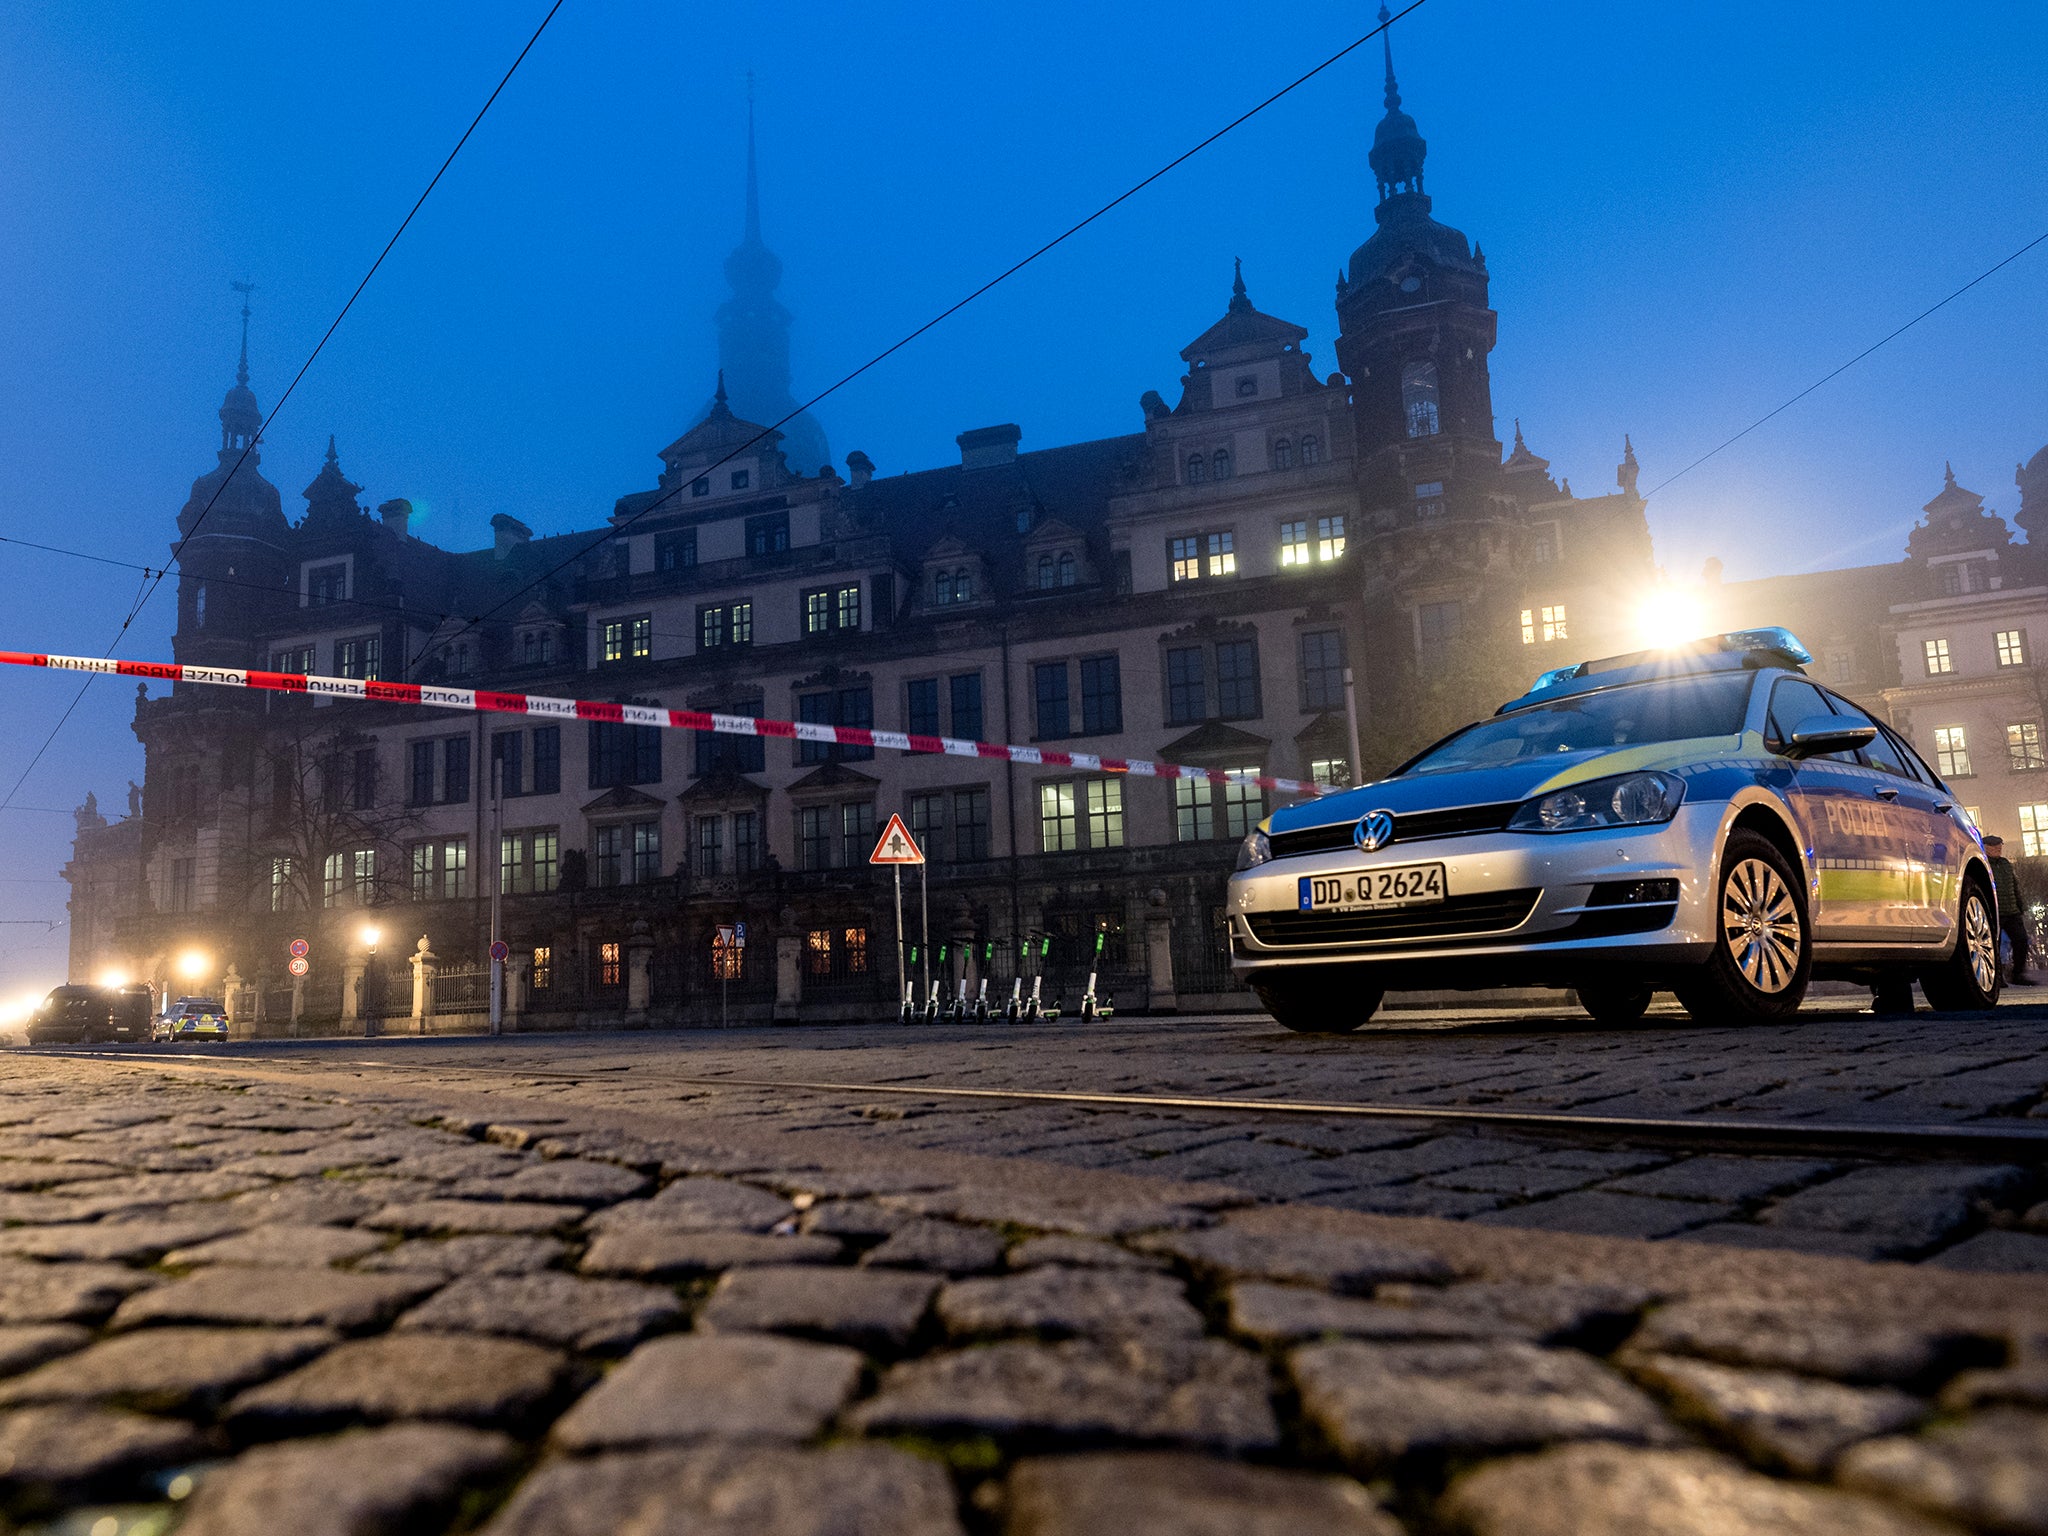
column 1198, row 469
column 1311, row 450
column 1219, row 464
column 1419, row 399
column 199, row 605
column 1066, row 569
column 1283, row 454
column 1045, row 571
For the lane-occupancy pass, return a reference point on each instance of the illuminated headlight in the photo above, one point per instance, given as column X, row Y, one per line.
column 1256, row 849
column 1628, row 800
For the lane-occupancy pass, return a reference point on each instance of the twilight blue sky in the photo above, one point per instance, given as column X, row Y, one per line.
column 1690, row 211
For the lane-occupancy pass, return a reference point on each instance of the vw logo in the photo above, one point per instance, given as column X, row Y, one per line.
column 1375, row 830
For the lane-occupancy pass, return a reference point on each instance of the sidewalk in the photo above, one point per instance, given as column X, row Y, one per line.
column 294, row 1300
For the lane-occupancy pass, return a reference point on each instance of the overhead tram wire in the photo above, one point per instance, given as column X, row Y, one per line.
column 949, row 311
column 151, row 583
column 1845, row 367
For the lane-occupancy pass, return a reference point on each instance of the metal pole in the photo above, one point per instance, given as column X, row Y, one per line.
column 1351, row 721
column 496, row 862
column 924, row 928
column 902, row 971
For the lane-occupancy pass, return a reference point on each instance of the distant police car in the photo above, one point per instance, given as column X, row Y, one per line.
column 193, row 1018
column 1704, row 819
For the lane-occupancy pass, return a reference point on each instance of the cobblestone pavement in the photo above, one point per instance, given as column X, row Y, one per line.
column 1836, row 1067
column 306, row 1294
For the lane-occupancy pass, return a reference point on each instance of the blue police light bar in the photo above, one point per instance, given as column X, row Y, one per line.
column 1771, row 640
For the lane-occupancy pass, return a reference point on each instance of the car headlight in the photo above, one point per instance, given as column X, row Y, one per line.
column 1627, row 800
column 1256, row 849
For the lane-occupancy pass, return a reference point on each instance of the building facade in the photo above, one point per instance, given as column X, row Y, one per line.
column 1194, row 590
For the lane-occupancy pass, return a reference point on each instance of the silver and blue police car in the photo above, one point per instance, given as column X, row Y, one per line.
column 1705, row 819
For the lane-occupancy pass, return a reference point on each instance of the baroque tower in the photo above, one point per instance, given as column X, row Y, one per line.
column 753, row 336
column 1414, row 332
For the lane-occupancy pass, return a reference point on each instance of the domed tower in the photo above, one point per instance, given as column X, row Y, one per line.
column 1414, row 332
column 753, row 336
column 232, row 538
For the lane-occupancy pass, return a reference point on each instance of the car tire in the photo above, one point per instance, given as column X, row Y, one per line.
column 1763, row 944
column 1968, row 979
column 1319, row 1005
column 1616, row 1003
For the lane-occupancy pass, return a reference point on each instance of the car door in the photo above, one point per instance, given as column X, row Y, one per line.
column 1914, row 851
column 1838, row 818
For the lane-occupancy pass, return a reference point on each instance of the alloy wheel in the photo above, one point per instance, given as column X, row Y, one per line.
column 1760, row 925
column 1982, row 942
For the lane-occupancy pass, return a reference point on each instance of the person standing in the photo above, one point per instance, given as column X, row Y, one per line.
column 2012, row 920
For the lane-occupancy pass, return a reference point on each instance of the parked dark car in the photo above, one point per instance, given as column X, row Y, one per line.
column 73, row 1015
column 134, row 1011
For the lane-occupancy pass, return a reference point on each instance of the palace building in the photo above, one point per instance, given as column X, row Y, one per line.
column 1194, row 589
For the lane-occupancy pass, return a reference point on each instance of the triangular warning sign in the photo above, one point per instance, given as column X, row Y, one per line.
column 897, row 846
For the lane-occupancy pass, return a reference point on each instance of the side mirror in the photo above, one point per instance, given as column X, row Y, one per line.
column 1821, row 735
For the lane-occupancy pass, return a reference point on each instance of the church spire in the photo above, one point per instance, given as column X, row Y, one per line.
column 753, row 330
column 240, row 417
column 1240, row 301
column 1398, row 147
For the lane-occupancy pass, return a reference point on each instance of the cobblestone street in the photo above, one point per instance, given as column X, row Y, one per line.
column 549, row 1286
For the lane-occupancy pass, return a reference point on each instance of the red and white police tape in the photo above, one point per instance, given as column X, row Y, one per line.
column 545, row 708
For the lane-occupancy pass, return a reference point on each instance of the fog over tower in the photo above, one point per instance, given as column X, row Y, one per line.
column 753, row 336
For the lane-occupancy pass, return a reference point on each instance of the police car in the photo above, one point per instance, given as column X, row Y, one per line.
column 193, row 1018
column 1705, row 819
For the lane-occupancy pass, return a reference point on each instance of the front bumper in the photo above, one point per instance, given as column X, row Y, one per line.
column 1524, row 908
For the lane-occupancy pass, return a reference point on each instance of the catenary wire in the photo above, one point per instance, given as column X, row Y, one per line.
column 950, row 310
column 1845, row 367
column 151, row 583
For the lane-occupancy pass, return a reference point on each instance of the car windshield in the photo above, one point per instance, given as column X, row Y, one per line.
column 1668, row 709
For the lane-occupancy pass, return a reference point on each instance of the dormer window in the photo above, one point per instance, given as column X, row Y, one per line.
column 326, row 584
column 1219, row 464
column 1198, row 469
column 952, row 587
column 1247, row 386
column 768, row 535
column 1419, row 399
column 536, row 647
column 1283, row 454
column 701, row 486
column 740, row 478
column 1056, row 571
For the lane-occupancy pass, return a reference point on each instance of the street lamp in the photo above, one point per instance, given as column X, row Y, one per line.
column 114, row 978
column 194, row 964
column 370, row 934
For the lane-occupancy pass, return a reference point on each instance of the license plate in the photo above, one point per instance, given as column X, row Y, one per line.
column 1367, row 890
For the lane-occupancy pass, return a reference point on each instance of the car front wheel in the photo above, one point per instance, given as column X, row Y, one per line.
column 1763, row 948
column 1330, row 1004
column 1968, row 979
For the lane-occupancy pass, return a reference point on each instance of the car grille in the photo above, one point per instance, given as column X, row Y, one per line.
column 1415, row 827
column 1489, row 912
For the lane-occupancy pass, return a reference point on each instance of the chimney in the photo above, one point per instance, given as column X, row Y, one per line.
column 860, row 468
column 507, row 534
column 988, row 447
column 396, row 513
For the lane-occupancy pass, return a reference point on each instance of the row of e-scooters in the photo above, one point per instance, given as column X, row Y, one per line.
column 1019, row 1008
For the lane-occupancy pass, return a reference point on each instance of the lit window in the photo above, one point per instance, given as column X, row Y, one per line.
column 1294, row 543
column 817, row 612
column 1244, row 803
column 615, row 640
column 2033, row 831
column 1222, row 554
column 1330, row 770
column 2012, row 647
column 1937, row 657
column 2023, row 747
column 1543, row 625
column 1194, row 813
column 1419, row 399
column 611, row 965
column 1187, row 558
column 1105, row 813
column 283, row 884
column 1329, row 537
column 1951, row 751
column 358, row 658
column 543, row 967
column 1057, row 829
column 846, row 607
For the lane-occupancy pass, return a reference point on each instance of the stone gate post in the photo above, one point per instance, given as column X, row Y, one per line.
column 1159, row 954
column 639, row 971
column 423, row 987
